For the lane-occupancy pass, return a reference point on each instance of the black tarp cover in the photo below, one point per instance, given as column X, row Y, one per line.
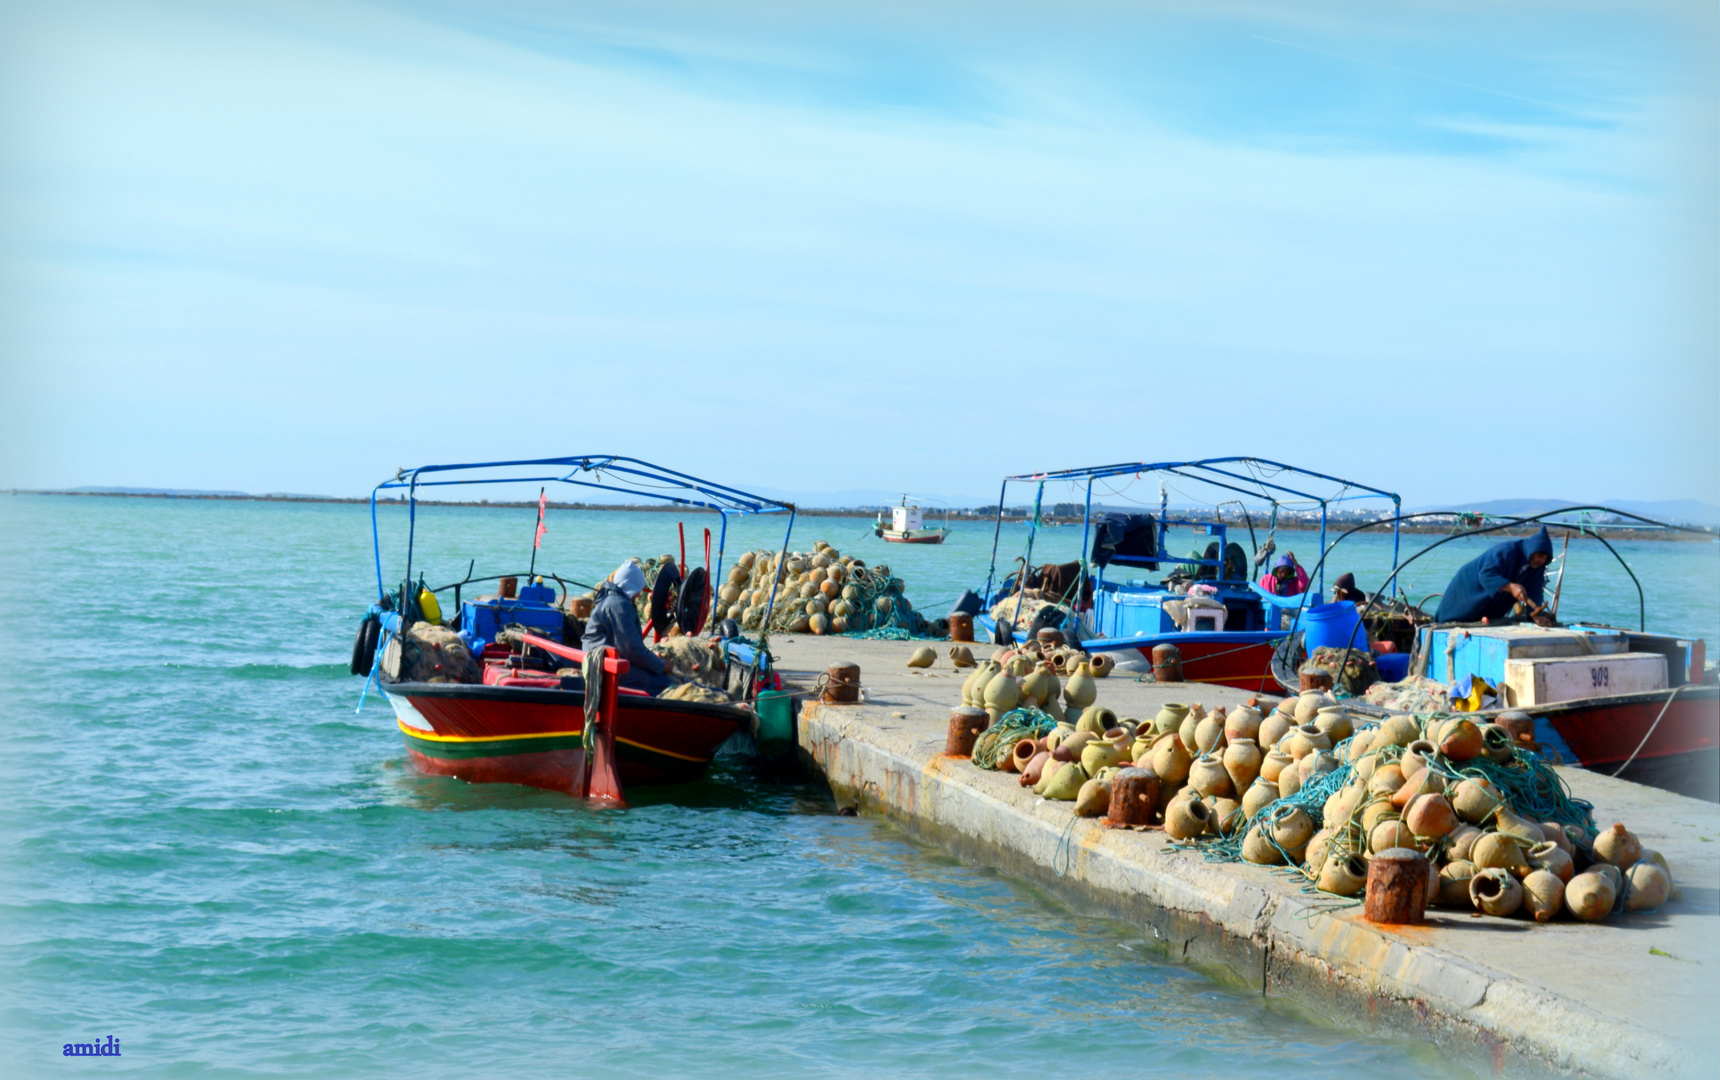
column 1130, row 539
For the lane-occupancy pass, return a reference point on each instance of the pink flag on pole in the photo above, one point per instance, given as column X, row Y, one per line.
column 543, row 500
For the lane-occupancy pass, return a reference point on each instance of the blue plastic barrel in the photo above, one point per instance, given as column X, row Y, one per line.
column 1393, row 666
column 1338, row 625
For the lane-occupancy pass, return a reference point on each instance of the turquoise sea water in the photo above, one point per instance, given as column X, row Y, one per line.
column 211, row 857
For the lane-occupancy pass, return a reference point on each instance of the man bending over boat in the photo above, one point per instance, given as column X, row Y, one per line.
column 1487, row 588
column 614, row 622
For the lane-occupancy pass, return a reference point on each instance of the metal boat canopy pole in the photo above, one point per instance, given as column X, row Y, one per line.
column 601, row 472
column 1272, row 482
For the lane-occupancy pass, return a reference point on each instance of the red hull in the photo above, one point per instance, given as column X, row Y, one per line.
column 914, row 540
column 1225, row 663
column 531, row 736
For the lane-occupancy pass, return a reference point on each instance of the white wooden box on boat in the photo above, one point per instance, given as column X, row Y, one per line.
column 1545, row 680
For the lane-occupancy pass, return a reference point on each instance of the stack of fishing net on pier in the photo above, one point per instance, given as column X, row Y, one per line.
column 821, row 591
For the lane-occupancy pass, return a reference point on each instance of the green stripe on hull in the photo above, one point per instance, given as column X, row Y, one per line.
column 454, row 751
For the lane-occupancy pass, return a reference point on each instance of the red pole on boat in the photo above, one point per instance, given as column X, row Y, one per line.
column 597, row 775
column 681, row 527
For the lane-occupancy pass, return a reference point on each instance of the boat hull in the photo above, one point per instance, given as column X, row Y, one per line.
column 533, row 736
column 1242, row 659
column 1669, row 739
column 926, row 536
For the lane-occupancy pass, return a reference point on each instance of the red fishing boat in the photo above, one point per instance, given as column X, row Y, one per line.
column 498, row 693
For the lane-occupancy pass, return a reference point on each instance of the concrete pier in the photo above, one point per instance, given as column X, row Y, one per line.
column 1634, row 996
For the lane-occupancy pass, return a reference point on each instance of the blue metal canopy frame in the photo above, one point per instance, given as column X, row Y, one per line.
column 1228, row 473
column 603, row 472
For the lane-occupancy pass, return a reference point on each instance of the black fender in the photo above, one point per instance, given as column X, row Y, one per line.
column 364, row 645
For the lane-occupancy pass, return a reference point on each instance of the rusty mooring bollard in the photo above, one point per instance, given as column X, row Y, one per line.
column 842, row 684
column 966, row 722
column 961, row 626
column 1134, row 797
column 1313, row 678
column 1167, row 663
column 1397, row 886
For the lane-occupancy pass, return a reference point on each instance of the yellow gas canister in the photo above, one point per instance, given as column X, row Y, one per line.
column 428, row 605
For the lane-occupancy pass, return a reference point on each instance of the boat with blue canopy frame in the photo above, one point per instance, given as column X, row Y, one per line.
column 497, row 691
column 1209, row 605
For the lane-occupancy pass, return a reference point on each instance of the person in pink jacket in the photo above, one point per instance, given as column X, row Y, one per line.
column 1286, row 578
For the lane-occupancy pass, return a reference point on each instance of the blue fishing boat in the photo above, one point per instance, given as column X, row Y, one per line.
column 1210, row 603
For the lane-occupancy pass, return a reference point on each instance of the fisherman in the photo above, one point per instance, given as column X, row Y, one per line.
column 615, row 622
column 1345, row 589
column 1286, row 578
column 1487, row 588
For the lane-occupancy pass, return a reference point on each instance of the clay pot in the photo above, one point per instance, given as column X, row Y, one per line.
column 1100, row 754
column 1002, row 694
column 1422, row 783
column 1416, row 756
column 1066, row 784
column 1649, row 855
column 1375, row 812
column 1186, row 730
column 1345, row 876
column 1170, row 760
column 1097, row 719
column 1093, row 799
column 1460, row 741
column 1321, row 761
column 1035, row 768
column 1397, row 731
column 1341, row 805
column 1551, row 858
column 1169, row 718
column 1618, row 846
column 1386, row 780
column 1495, row 892
column 1610, row 872
column 1186, row 817
column 1309, row 703
column 1019, row 755
column 1496, row 851
column 1454, row 884
column 1080, row 690
column 1335, row 722
column 1242, row 760
column 923, row 656
column 961, row 656
column 1460, row 840
column 1070, row 746
column 968, row 686
column 1102, row 664
column 1543, row 895
column 1361, row 742
column 1244, row 723
column 1208, row 776
column 1430, row 817
column 1209, row 735
column 1365, row 765
column 1273, row 763
column 1476, row 800
column 1646, row 886
column 1260, row 794
column 1589, row 897
column 1258, row 850
column 1497, row 745
column 1292, row 828
column 1226, row 815
column 1305, row 740
column 1040, row 685
column 1273, row 728
column 1555, row 833
column 1519, row 828
column 1390, row 833
column 1289, row 783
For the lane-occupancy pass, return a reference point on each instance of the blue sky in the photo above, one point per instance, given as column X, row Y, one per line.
column 1460, row 251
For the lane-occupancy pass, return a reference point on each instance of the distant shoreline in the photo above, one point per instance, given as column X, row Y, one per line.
column 1610, row 532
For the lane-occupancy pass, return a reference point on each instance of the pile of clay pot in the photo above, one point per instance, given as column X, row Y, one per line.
column 821, row 591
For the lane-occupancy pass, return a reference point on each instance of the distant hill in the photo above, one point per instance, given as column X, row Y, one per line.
column 1690, row 511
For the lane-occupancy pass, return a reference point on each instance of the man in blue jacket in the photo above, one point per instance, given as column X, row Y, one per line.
column 1486, row 588
column 615, row 622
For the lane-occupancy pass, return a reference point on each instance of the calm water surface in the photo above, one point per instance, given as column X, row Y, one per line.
column 210, row 856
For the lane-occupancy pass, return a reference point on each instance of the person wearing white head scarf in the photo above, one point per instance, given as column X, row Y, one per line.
column 615, row 622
